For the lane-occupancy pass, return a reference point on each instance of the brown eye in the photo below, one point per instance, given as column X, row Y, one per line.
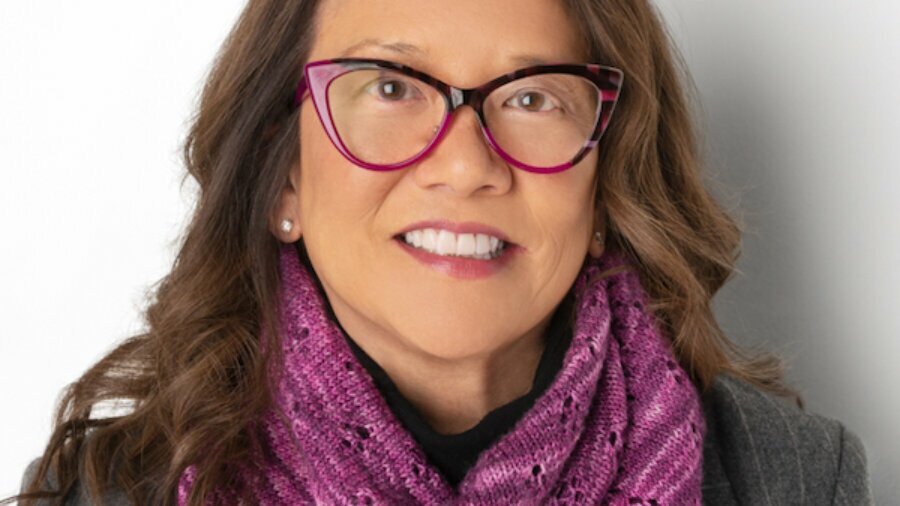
column 391, row 89
column 394, row 90
column 532, row 101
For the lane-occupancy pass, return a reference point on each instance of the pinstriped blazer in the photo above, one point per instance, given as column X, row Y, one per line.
column 762, row 450
column 759, row 450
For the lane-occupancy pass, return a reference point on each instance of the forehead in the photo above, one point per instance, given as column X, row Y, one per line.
column 462, row 41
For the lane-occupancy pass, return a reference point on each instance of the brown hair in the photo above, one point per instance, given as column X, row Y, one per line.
column 197, row 376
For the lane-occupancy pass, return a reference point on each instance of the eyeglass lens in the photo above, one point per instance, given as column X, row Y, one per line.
column 385, row 117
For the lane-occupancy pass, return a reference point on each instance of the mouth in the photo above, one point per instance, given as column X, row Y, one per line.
column 479, row 246
column 464, row 255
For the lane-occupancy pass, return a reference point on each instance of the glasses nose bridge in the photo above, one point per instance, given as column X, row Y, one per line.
column 472, row 97
column 459, row 97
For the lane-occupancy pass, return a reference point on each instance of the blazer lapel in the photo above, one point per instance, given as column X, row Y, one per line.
column 716, row 486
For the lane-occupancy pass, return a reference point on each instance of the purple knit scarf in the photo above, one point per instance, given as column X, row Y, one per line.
column 621, row 424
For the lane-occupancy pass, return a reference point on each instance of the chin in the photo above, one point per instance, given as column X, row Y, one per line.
column 445, row 348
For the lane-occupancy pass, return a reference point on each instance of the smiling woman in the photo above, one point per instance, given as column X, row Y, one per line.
column 445, row 252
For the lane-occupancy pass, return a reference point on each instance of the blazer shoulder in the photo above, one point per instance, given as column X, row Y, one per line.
column 48, row 484
column 78, row 497
column 776, row 453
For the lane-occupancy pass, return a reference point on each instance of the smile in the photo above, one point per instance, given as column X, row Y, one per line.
column 471, row 266
column 446, row 243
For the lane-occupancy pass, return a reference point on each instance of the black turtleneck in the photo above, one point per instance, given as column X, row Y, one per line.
column 454, row 454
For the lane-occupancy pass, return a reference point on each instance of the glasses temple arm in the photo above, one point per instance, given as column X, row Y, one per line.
column 301, row 93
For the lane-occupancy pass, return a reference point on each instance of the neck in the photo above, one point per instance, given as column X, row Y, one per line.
column 452, row 395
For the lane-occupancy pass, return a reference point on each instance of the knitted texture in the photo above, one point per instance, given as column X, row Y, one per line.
column 621, row 424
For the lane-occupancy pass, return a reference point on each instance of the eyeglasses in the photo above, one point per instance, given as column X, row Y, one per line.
column 383, row 115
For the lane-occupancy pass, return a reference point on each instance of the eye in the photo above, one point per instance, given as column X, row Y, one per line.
column 533, row 101
column 392, row 89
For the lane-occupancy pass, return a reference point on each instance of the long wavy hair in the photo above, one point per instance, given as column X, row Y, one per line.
column 196, row 377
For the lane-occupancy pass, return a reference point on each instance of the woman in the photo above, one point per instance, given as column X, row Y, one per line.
column 386, row 297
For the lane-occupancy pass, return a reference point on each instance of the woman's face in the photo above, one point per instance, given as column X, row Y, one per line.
column 349, row 217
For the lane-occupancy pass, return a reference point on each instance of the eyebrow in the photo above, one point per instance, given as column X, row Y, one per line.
column 397, row 47
column 414, row 51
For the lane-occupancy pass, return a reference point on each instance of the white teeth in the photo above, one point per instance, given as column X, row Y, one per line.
column 446, row 243
column 429, row 239
column 483, row 244
column 417, row 238
column 443, row 242
column 465, row 244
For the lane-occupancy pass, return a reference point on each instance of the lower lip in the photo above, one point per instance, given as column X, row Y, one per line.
column 461, row 267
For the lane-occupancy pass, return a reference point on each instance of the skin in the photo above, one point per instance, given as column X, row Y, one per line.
column 456, row 349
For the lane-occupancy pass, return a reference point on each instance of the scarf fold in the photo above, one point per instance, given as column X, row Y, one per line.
column 621, row 424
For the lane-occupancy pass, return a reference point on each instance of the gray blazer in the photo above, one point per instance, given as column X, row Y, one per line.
column 759, row 450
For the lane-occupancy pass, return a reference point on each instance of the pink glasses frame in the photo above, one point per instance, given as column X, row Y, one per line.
column 318, row 76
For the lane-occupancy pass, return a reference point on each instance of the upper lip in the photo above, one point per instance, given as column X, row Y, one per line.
column 466, row 227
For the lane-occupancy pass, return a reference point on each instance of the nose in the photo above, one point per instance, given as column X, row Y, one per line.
column 463, row 162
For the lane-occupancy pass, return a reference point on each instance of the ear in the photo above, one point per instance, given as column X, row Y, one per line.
column 596, row 247
column 288, row 207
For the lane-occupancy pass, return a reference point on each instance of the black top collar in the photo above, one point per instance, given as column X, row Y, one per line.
column 454, row 454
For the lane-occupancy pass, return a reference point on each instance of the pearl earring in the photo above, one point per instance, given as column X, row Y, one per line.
column 286, row 225
column 598, row 237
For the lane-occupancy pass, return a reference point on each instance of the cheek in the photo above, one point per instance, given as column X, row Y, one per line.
column 557, row 212
column 562, row 204
column 339, row 203
column 334, row 192
column 320, row 168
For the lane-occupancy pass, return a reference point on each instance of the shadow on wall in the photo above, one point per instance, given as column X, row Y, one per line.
column 791, row 146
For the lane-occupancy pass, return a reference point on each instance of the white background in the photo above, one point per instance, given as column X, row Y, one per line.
column 800, row 105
